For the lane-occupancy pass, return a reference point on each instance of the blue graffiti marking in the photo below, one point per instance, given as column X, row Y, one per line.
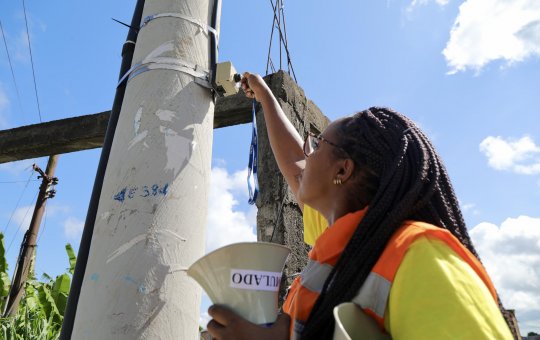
column 163, row 190
column 94, row 277
column 144, row 191
column 131, row 192
column 121, row 196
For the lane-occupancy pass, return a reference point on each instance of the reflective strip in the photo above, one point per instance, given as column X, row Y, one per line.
column 297, row 330
column 314, row 275
column 374, row 294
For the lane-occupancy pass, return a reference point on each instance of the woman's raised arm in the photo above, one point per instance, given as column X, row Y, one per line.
column 285, row 141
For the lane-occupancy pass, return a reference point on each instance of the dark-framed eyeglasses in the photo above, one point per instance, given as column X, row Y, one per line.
column 313, row 142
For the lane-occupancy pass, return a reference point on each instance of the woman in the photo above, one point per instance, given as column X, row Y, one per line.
column 397, row 244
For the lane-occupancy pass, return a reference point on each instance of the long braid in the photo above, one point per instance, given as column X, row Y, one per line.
column 401, row 177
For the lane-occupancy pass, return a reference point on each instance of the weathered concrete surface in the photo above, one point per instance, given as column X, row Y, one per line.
column 279, row 218
column 88, row 132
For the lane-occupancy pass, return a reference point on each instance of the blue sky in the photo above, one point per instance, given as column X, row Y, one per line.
column 466, row 71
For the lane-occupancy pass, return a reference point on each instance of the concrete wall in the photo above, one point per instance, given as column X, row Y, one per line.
column 279, row 218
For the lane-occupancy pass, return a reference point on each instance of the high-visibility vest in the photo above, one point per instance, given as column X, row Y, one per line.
column 374, row 294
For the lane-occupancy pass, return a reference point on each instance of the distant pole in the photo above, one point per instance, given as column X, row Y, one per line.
column 29, row 241
column 151, row 217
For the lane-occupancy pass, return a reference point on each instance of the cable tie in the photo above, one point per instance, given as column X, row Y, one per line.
column 168, row 63
column 203, row 26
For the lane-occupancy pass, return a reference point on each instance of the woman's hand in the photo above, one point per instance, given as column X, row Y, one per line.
column 227, row 325
column 254, row 86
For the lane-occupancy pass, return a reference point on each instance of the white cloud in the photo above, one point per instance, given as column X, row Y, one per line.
column 469, row 208
column 4, row 104
column 22, row 217
column 4, row 101
column 521, row 156
column 511, row 255
column 226, row 223
column 20, row 51
column 416, row 3
column 73, row 228
column 488, row 30
column 54, row 210
column 204, row 319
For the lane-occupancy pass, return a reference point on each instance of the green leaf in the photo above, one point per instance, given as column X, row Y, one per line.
column 5, row 282
column 3, row 262
column 60, row 292
column 46, row 276
column 72, row 258
column 47, row 303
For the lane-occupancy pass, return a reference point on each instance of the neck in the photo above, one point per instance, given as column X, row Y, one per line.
column 337, row 208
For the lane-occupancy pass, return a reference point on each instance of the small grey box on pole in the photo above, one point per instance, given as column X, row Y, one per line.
column 151, row 220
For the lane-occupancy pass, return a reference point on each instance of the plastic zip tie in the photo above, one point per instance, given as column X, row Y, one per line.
column 197, row 22
column 165, row 63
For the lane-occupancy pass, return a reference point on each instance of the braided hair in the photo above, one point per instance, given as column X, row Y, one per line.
column 401, row 177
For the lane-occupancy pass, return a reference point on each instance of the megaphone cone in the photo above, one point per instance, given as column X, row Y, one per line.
column 245, row 277
column 352, row 324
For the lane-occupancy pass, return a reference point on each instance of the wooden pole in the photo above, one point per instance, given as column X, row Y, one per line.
column 151, row 217
column 29, row 242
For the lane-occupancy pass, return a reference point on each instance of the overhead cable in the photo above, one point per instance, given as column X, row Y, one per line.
column 11, row 67
column 32, row 61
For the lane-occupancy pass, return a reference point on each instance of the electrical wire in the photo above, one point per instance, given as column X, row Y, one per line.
column 11, row 67
column 13, row 182
column 32, row 61
column 278, row 5
column 18, row 201
column 289, row 62
column 22, row 221
column 282, row 36
column 269, row 60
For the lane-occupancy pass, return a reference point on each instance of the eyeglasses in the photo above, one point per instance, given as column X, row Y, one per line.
column 313, row 142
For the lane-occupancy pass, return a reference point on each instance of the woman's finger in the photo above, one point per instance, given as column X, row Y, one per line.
column 222, row 315
column 215, row 329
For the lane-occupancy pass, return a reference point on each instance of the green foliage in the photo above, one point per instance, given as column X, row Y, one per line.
column 41, row 310
column 72, row 258
column 4, row 277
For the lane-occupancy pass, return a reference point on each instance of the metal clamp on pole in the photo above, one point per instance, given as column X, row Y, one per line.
column 226, row 80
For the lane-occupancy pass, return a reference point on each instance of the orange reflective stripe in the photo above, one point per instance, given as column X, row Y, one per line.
column 374, row 294
column 299, row 303
column 393, row 254
column 369, row 296
column 305, row 289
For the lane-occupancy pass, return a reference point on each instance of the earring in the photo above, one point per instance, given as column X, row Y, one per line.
column 337, row 181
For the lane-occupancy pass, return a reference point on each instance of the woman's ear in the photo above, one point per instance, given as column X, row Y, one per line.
column 346, row 170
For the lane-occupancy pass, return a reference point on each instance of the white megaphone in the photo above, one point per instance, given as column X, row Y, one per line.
column 353, row 324
column 245, row 277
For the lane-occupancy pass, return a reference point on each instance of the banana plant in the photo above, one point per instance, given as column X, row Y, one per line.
column 41, row 311
column 4, row 277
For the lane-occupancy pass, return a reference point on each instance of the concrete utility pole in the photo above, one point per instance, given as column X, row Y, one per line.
column 152, row 211
column 28, row 246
